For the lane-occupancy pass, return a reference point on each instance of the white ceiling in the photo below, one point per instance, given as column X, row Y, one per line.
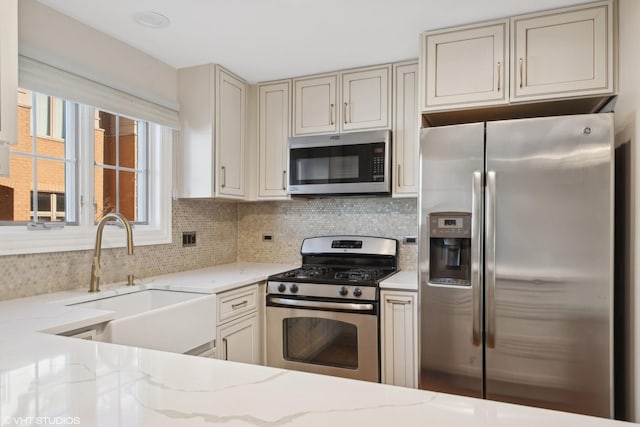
column 270, row 39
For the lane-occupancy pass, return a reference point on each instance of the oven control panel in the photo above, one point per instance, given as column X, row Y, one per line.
column 323, row 290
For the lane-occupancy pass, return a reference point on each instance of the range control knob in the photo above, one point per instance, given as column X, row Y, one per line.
column 293, row 288
column 357, row 292
column 343, row 291
column 282, row 287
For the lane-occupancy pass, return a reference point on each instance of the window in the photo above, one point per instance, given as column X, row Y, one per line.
column 120, row 178
column 48, row 113
column 41, row 167
column 50, row 206
column 73, row 164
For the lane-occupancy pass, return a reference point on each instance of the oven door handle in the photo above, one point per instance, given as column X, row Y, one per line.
column 323, row 304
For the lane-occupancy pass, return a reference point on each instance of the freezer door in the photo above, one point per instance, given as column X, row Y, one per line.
column 452, row 161
column 549, row 272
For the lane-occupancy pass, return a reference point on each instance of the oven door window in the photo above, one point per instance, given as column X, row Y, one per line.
column 320, row 342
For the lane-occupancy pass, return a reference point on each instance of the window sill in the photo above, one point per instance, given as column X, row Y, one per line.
column 20, row 241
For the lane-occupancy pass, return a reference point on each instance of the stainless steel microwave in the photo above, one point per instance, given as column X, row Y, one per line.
column 347, row 164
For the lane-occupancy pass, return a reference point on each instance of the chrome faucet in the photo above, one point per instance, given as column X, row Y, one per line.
column 94, row 285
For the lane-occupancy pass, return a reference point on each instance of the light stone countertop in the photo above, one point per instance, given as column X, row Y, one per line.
column 401, row 281
column 53, row 380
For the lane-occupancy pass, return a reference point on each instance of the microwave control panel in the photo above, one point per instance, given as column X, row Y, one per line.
column 377, row 169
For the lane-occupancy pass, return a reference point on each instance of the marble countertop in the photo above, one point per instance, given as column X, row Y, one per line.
column 52, row 380
column 401, row 281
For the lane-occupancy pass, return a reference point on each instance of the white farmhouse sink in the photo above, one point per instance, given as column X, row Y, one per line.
column 159, row 319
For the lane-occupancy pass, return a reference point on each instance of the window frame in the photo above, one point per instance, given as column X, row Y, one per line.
column 18, row 239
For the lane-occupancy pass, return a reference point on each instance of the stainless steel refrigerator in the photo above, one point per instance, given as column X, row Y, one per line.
column 516, row 261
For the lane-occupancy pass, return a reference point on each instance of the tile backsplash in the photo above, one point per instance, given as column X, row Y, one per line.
column 291, row 221
column 216, row 227
column 226, row 232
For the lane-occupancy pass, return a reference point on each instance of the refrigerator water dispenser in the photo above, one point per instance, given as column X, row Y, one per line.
column 450, row 248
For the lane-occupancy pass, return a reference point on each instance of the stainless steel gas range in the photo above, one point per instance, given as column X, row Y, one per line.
column 324, row 316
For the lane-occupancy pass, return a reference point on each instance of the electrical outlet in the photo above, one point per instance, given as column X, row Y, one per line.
column 410, row 240
column 267, row 238
column 188, row 238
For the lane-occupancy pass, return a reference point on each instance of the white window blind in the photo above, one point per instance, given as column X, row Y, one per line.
column 40, row 77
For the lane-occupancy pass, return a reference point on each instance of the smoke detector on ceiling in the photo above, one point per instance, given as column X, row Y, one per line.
column 151, row 19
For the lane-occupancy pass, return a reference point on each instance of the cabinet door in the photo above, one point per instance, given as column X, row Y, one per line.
column 239, row 341
column 365, row 99
column 273, row 131
column 464, row 67
column 196, row 151
column 8, row 74
column 315, row 109
column 230, row 134
column 566, row 53
column 406, row 129
column 399, row 338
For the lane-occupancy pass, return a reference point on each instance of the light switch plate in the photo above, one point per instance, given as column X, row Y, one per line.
column 4, row 160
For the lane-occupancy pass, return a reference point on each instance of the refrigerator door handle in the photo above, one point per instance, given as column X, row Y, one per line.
column 490, row 243
column 476, row 256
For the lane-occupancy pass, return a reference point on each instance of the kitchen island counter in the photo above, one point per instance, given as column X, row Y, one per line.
column 53, row 380
column 74, row 382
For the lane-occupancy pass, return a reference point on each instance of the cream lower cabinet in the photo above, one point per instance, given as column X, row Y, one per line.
column 566, row 53
column 399, row 338
column 238, row 335
column 406, row 130
column 239, row 340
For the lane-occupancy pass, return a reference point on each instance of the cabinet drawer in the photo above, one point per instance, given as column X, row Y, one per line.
column 236, row 303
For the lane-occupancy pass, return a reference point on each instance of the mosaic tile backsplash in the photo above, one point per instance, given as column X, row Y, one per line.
column 216, row 227
column 226, row 232
column 290, row 222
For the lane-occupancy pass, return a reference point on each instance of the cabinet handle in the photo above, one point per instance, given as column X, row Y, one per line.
column 331, row 114
column 344, row 113
column 521, row 73
column 398, row 180
column 225, row 344
column 499, row 74
column 284, row 180
column 399, row 301
column 224, row 177
column 240, row 304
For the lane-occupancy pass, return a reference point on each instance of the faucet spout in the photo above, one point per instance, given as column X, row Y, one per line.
column 94, row 284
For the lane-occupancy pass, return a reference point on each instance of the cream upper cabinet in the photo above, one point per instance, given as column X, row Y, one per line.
column 350, row 100
column 230, row 133
column 562, row 53
column 406, row 129
column 366, row 98
column 464, row 67
column 212, row 133
column 552, row 55
column 8, row 75
column 315, row 109
column 273, row 131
